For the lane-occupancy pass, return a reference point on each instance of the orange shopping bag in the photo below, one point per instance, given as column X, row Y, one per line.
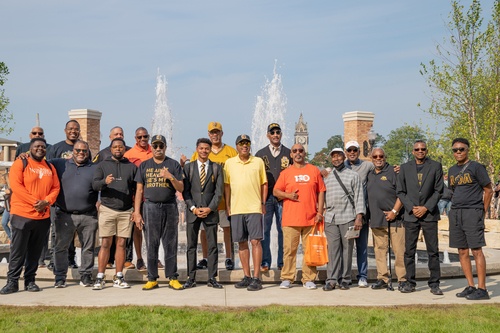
column 316, row 248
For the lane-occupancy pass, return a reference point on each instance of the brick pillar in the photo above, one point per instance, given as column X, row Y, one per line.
column 90, row 127
column 357, row 124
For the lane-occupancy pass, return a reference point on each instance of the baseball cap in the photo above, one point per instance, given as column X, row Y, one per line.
column 158, row 138
column 273, row 126
column 337, row 150
column 352, row 144
column 243, row 137
column 214, row 126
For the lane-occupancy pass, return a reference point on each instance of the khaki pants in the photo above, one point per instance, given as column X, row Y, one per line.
column 380, row 246
column 291, row 239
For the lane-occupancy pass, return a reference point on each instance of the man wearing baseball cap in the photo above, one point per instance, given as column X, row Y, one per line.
column 219, row 154
column 158, row 179
column 245, row 183
column 276, row 158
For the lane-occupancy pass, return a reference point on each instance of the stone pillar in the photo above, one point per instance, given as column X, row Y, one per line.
column 357, row 124
column 90, row 127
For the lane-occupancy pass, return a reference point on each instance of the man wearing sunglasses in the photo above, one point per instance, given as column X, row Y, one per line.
column 419, row 187
column 36, row 132
column 75, row 212
column 158, row 179
column 245, row 183
column 139, row 153
column 472, row 192
column 276, row 158
column 302, row 190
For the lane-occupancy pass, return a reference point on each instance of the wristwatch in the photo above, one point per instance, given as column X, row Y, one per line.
column 395, row 212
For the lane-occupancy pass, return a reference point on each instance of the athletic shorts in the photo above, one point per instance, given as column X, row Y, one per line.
column 467, row 228
column 223, row 221
column 246, row 227
column 114, row 222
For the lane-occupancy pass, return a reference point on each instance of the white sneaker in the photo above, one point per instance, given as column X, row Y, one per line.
column 362, row 283
column 119, row 282
column 99, row 284
column 310, row 285
column 286, row 284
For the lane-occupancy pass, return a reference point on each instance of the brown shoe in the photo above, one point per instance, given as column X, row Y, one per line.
column 160, row 265
column 264, row 269
column 109, row 266
column 128, row 264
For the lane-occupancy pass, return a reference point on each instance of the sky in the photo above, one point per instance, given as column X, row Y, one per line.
column 333, row 57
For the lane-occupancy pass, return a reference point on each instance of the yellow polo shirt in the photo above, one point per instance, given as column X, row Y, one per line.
column 245, row 179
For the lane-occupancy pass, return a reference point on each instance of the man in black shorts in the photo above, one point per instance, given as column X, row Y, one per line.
column 471, row 199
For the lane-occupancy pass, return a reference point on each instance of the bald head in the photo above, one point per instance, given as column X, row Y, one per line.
column 37, row 132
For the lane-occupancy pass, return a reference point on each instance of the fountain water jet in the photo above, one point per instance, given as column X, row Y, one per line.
column 163, row 122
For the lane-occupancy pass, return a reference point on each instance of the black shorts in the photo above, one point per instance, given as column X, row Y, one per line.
column 246, row 227
column 467, row 228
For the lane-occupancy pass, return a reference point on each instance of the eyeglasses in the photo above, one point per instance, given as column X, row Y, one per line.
column 78, row 151
column 376, row 157
column 350, row 150
column 40, row 147
column 158, row 145
column 277, row 132
column 298, row 150
column 244, row 144
column 37, row 133
column 460, row 149
column 140, row 137
column 419, row 149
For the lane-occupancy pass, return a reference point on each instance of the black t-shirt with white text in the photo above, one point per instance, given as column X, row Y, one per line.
column 157, row 188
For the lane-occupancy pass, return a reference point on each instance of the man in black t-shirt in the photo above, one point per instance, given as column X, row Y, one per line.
column 158, row 179
column 471, row 199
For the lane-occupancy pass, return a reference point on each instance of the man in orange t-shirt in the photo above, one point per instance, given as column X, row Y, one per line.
column 35, row 187
column 140, row 152
column 302, row 190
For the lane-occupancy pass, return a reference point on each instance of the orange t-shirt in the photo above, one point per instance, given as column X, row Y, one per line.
column 137, row 155
column 38, row 181
column 309, row 183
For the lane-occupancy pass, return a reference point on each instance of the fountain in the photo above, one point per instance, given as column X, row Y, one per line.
column 163, row 122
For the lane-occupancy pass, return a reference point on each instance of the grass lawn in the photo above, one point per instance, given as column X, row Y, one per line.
column 455, row 318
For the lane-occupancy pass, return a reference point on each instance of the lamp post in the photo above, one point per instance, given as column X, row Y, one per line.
column 372, row 136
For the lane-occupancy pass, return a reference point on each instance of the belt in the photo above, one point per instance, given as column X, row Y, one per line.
column 79, row 212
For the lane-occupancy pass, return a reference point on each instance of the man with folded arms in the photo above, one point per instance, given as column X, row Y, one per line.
column 302, row 190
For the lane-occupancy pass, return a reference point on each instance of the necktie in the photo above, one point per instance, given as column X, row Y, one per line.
column 203, row 175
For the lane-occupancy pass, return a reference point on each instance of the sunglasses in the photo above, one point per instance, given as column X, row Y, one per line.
column 376, row 157
column 350, row 150
column 244, row 143
column 456, row 150
column 298, row 150
column 78, row 151
column 278, row 132
column 158, row 145
column 419, row 149
column 140, row 137
column 37, row 133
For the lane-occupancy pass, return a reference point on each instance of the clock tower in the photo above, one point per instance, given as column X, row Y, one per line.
column 301, row 134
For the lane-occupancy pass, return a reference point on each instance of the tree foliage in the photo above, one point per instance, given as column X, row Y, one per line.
column 465, row 82
column 5, row 115
column 399, row 145
column 322, row 158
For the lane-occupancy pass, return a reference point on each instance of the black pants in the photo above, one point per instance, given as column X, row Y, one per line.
column 430, row 230
column 192, row 231
column 28, row 238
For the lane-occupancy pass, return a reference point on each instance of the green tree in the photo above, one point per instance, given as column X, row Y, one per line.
column 5, row 115
column 465, row 82
column 322, row 158
column 399, row 145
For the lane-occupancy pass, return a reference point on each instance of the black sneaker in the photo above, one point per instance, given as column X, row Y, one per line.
column 380, row 284
column 202, row 264
column 344, row 286
column 229, row 264
column 243, row 283
column 407, row 288
column 60, row 284
column 72, row 264
column 9, row 288
column 436, row 290
column 467, row 291
column 31, row 286
column 478, row 294
column 86, row 281
column 255, row 285
column 401, row 285
column 50, row 266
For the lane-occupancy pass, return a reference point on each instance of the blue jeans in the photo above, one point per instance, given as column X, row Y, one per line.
column 444, row 206
column 160, row 223
column 5, row 223
column 362, row 252
column 273, row 208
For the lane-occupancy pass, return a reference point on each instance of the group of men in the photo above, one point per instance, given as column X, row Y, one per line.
column 131, row 190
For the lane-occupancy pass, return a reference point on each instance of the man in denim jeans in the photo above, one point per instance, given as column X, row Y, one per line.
column 276, row 158
column 158, row 179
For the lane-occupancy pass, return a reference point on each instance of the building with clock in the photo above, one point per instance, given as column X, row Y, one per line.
column 301, row 134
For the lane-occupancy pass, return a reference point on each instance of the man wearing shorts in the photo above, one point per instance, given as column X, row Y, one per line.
column 471, row 199
column 245, row 184
column 114, row 177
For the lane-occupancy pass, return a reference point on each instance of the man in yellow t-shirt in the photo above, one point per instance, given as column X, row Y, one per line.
column 219, row 154
column 245, row 190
